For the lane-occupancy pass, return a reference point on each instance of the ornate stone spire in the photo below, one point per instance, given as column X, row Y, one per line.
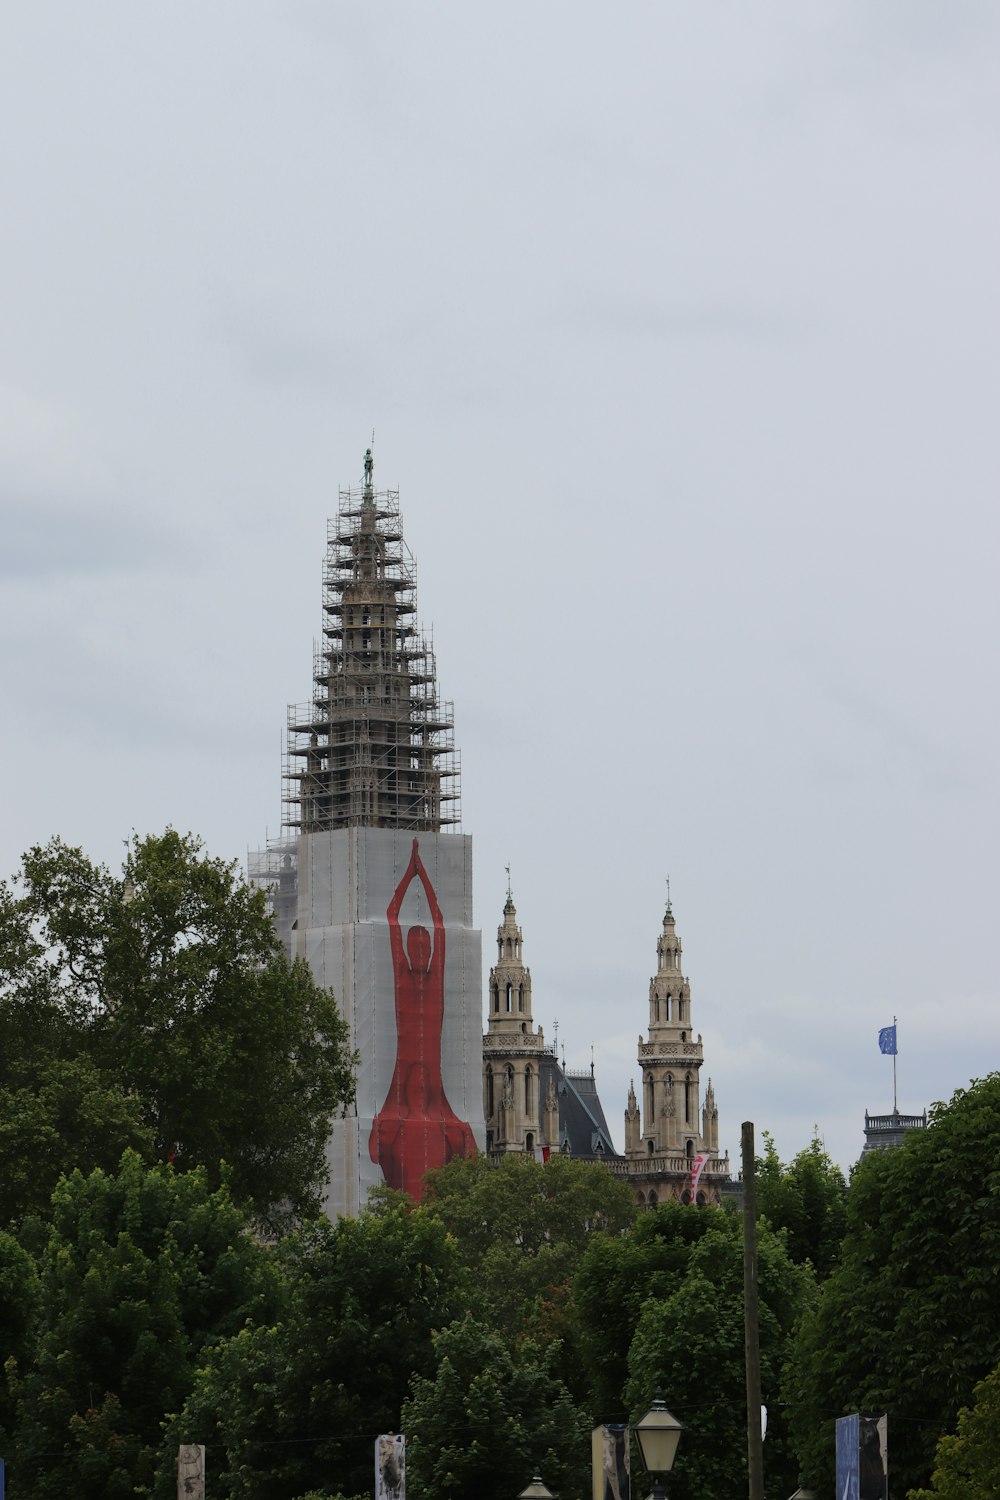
column 516, row 1110
column 673, row 1130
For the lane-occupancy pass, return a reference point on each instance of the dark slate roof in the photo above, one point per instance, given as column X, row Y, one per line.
column 583, row 1129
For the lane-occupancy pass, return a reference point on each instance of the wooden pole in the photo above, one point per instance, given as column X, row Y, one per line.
column 751, row 1324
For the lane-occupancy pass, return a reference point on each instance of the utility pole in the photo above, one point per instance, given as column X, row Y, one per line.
column 751, row 1323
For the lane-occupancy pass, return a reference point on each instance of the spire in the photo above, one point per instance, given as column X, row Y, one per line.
column 510, row 979
column 374, row 746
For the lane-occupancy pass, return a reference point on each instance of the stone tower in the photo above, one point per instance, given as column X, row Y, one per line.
column 671, row 1140
column 367, row 884
column 519, row 1097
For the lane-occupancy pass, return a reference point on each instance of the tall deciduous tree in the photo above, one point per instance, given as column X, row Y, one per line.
column 909, row 1321
column 808, row 1199
column 493, row 1414
column 298, row 1405
column 141, row 1271
column 690, row 1342
column 967, row 1464
column 170, row 981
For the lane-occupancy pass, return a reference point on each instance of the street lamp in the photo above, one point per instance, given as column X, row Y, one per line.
column 536, row 1490
column 658, row 1434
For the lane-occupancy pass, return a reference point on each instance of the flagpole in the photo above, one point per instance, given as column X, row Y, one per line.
column 895, row 1034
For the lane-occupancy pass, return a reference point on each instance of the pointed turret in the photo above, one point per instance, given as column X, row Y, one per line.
column 673, row 1131
column 517, row 1116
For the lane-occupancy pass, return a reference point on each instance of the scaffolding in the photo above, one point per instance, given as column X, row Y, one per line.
column 374, row 746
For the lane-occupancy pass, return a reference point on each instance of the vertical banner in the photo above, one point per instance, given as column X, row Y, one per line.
column 1, row 1480
column 698, row 1166
column 609, row 1460
column 385, row 922
column 390, row 1466
column 848, row 1454
column 191, row 1472
column 873, row 1470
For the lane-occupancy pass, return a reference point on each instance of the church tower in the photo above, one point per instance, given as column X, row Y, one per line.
column 671, row 1142
column 371, row 885
column 519, row 1099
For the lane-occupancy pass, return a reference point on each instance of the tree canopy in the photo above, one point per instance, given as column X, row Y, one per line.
column 156, row 1010
column 909, row 1321
column 807, row 1199
column 140, row 1271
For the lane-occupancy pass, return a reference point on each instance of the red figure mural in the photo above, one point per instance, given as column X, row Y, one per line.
column 416, row 1128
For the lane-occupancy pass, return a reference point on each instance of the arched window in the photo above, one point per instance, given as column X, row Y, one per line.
column 702, row 1200
column 640, row 1199
column 510, row 997
column 529, row 1143
column 528, row 1091
column 689, row 1150
column 520, row 997
column 688, row 1098
column 489, row 1093
column 653, row 1200
column 496, row 997
column 649, row 1146
column 669, row 998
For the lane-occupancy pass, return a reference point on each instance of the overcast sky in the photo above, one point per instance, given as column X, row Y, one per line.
column 678, row 329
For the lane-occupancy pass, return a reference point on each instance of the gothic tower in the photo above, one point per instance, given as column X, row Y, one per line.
column 671, row 1143
column 368, row 885
column 519, row 1095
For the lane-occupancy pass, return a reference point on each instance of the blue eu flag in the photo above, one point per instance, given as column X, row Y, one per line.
column 887, row 1040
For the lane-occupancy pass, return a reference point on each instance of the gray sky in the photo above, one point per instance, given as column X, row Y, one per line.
column 678, row 329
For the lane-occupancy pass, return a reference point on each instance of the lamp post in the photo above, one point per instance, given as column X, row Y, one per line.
column 536, row 1490
column 658, row 1434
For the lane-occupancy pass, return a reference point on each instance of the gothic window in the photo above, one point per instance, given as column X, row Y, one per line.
column 689, row 1149
column 652, row 1200
column 520, row 997
column 669, row 998
column 489, row 1093
column 527, row 1091
column 656, row 1008
column 640, row 1199
column 510, row 997
column 687, row 1098
column 529, row 1143
column 496, row 997
column 649, row 1147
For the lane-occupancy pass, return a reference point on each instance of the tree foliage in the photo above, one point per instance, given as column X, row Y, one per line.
column 493, row 1414
column 967, row 1464
column 182, row 1029
column 298, row 1405
column 909, row 1322
column 689, row 1340
column 141, row 1271
column 807, row 1199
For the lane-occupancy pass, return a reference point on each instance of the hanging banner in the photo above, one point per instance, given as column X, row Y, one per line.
column 191, row 1472
column 698, row 1166
column 385, row 922
column 609, row 1463
column 390, row 1466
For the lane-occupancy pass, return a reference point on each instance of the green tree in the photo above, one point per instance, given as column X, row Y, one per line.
column 967, row 1465
column 690, row 1342
column 614, row 1278
column 18, row 1305
column 170, row 981
column 808, row 1199
column 141, row 1271
column 493, row 1414
column 298, row 1405
column 521, row 1228
column 909, row 1322
column 72, row 1115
